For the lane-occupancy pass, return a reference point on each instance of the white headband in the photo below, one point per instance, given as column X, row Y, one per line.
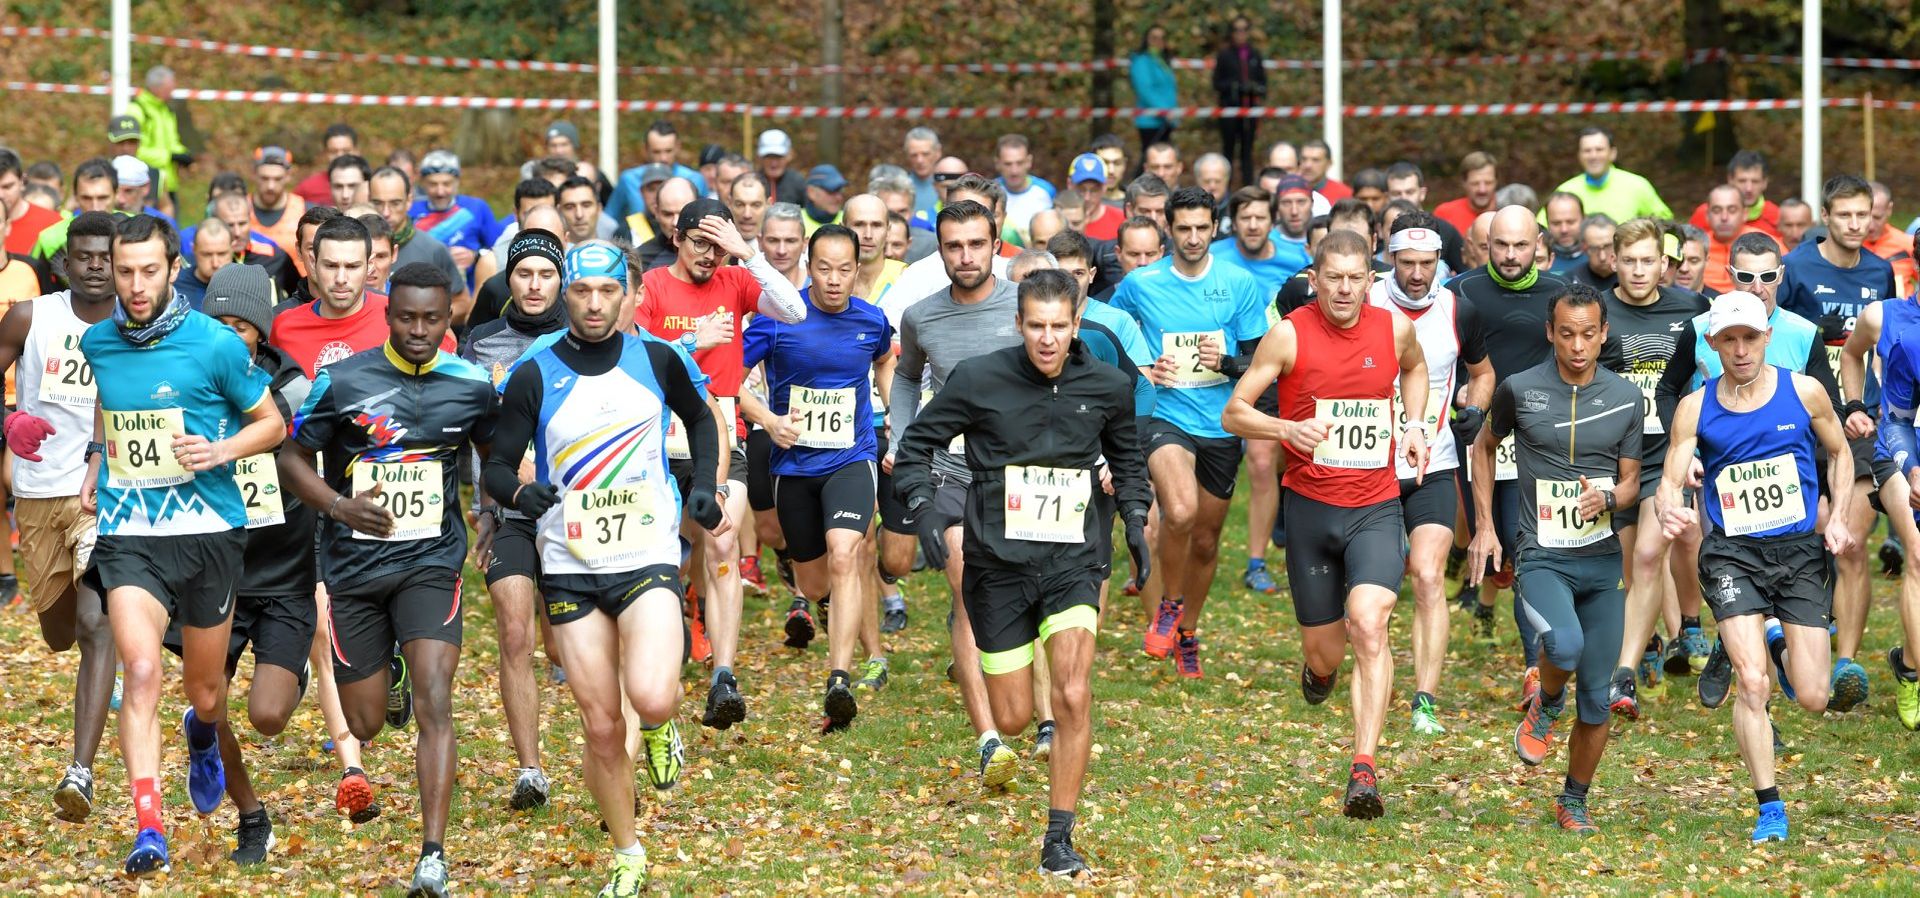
column 1414, row 238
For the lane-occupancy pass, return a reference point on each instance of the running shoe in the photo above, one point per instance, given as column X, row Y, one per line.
column 1678, row 657
column 783, row 566
column 1573, row 817
column 1650, row 670
column 1160, row 637
column 1772, row 823
column 1468, row 598
column 206, row 777
column 354, row 797
column 399, row 693
column 1529, row 688
column 1484, row 622
column 998, row 764
column 839, row 708
column 1426, row 715
column 1533, row 738
column 429, row 877
column 253, row 838
column 1043, row 742
column 1716, row 679
column 1906, row 689
column 725, row 705
column 701, row 650
column 629, row 876
column 1363, row 794
column 530, row 788
column 557, row 674
column 1315, row 689
column 1456, row 559
column 822, row 611
column 1057, row 858
column 1892, row 560
column 1258, row 580
column 799, row 624
column 1777, row 649
column 1623, row 694
column 1849, row 685
column 665, row 754
column 873, row 675
column 751, row 576
column 1187, row 658
column 73, row 798
column 1503, row 578
column 1697, row 650
column 1130, row 588
column 893, row 617
column 119, row 690
column 10, row 583
column 149, row 854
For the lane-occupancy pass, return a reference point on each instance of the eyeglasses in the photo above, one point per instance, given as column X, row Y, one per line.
column 942, row 177
column 701, row 247
column 1747, row 278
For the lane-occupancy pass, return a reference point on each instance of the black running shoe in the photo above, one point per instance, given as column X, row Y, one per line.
column 840, row 708
column 1314, row 689
column 783, row 566
column 894, row 617
column 1892, row 560
column 253, row 838
column 1057, row 858
column 725, row 706
column 800, row 627
column 1716, row 679
column 399, row 693
column 1363, row 794
column 1623, row 694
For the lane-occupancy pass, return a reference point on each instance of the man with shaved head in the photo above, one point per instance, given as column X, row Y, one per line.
column 866, row 216
column 1726, row 220
column 1511, row 293
column 1474, row 253
column 945, row 172
column 657, row 251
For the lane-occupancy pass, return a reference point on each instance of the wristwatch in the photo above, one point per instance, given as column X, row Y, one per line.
column 689, row 342
column 1612, row 499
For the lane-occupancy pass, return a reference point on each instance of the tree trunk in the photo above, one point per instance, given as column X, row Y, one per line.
column 1709, row 142
column 1100, row 95
column 488, row 137
column 830, row 95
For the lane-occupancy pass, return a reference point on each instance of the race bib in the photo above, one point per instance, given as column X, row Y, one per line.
column 410, row 491
column 1184, row 347
column 1649, row 414
column 1833, row 361
column 259, row 483
column 1436, row 406
column 1047, row 505
column 1758, row 496
column 1559, row 525
column 825, row 417
column 677, row 446
column 67, row 377
column 140, row 449
column 608, row 527
column 1359, row 433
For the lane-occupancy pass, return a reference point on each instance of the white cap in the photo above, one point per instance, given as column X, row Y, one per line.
column 775, row 142
column 1737, row 309
column 130, row 171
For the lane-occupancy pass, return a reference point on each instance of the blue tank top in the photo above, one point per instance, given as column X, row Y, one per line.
column 1761, row 478
column 1793, row 339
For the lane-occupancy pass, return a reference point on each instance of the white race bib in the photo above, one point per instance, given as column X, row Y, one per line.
column 825, row 416
column 1047, row 505
column 67, row 377
column 1436, row 406
column 1833, row 361
column 140, row 449
column 1184, row 347
column 611, row 526
column 1758, row 496
column 677, row 446
column 410, row 491
column 1650, row 414
column 1359, row 433
column 259, row 483
column 1559, row 525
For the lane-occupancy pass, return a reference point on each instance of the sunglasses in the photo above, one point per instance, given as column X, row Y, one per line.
column 944, row 177
column 1742, row 277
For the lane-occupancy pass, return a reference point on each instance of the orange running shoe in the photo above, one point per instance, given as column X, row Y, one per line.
column 751, row 576
column 354, row 798
column 700, row 650
column 1159, row 639
column 1533, row 738
column 1529, row 688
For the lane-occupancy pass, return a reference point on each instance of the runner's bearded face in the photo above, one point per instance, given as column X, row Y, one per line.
column 700, row 256
column 533, row 284
column 1340, row 287
column 1193, row 234
column 1848, row 219
column 270, row 185
column 143, row 277
column 1640, row 266
column 341, row 268
column 1511, row 250
column 833, row 268
column 1295, row 210
column 1413, row 269
column 594, row 306
column 417, row 320
column 1577, row 333
column 1252, row 228
column 1743, row 352
column 966, row 250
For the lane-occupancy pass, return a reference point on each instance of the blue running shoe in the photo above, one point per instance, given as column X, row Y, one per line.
column 1772, row 825
column 1849, row 685
column 1258, row 580
column 1777, row 647
column 206, row 778
column 149, row 854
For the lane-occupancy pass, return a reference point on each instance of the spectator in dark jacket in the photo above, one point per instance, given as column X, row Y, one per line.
column 1239, row 80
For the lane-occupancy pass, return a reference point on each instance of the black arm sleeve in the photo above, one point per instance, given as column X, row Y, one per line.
column 1120, row 442
column 1235, row 365
column 1818, row 368
column 703, row 441
column 1466, row 325
column 1680, row 370
column 512, row 431
column 938, row 422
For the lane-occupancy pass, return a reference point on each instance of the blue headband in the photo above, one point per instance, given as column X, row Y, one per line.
column 594, row 260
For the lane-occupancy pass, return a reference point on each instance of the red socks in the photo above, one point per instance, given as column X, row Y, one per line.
column 146, row 803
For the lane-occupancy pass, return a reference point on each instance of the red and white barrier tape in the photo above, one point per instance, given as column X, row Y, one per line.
column 1392, row 110
column 975, row 68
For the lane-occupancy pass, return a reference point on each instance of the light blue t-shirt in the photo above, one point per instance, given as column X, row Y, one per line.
column 1172, row 310
column 1288, row 259
column 200, row 379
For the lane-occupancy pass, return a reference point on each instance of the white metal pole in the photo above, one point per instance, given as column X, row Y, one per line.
column 1330, row 89
column 122, row 55
column 1810, row 173
column 609, row 94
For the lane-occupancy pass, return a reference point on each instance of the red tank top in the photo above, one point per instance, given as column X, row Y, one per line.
column 1344, row 377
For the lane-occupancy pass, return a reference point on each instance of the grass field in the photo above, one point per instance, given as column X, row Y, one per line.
column 1230, row 784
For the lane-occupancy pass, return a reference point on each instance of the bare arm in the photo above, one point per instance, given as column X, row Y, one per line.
column 1271, row 361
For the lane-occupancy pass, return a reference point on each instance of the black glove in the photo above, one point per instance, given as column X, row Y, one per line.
column 534, row 499
column 1137, row 547
column 184, row 160
column 933, row 536
column 703, row 508
column 1466, row 423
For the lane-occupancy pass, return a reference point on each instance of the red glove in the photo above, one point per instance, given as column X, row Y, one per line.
column 25, row 433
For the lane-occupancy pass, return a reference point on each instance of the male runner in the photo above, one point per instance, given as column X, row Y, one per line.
column 169, row 514
column 504, row 540
column 1040, row 419
column 391, row 424
column 1755, row 428
column 1577, row 432
column 1342, row 509
column 594, row 405
column 1451, row 337
column 820, row 419
column 48, row 439
column 1206, row 319
column 1897, row 450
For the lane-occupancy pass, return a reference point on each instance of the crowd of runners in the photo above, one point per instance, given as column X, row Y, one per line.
column 296, row 423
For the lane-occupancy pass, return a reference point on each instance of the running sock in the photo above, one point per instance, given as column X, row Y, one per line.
column 988, row 736
column 353, row 771
column 1417, row 697
column 1689, row 623
column 1185, row 633
column 1363, row 761
column 146, row 804
column 1900, row 667
column 1767, row 795
column 838, row 676
column 1045, row 724
column 1556, row 700
column 1059, row 825
column 259, row 813
column 1256, row 564
column 1574, row 789
column 200, row 734
column 721, row 672
column 631, row 850
column 428, row 849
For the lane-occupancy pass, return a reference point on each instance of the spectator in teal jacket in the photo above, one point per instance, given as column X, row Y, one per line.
column 1153, row 87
